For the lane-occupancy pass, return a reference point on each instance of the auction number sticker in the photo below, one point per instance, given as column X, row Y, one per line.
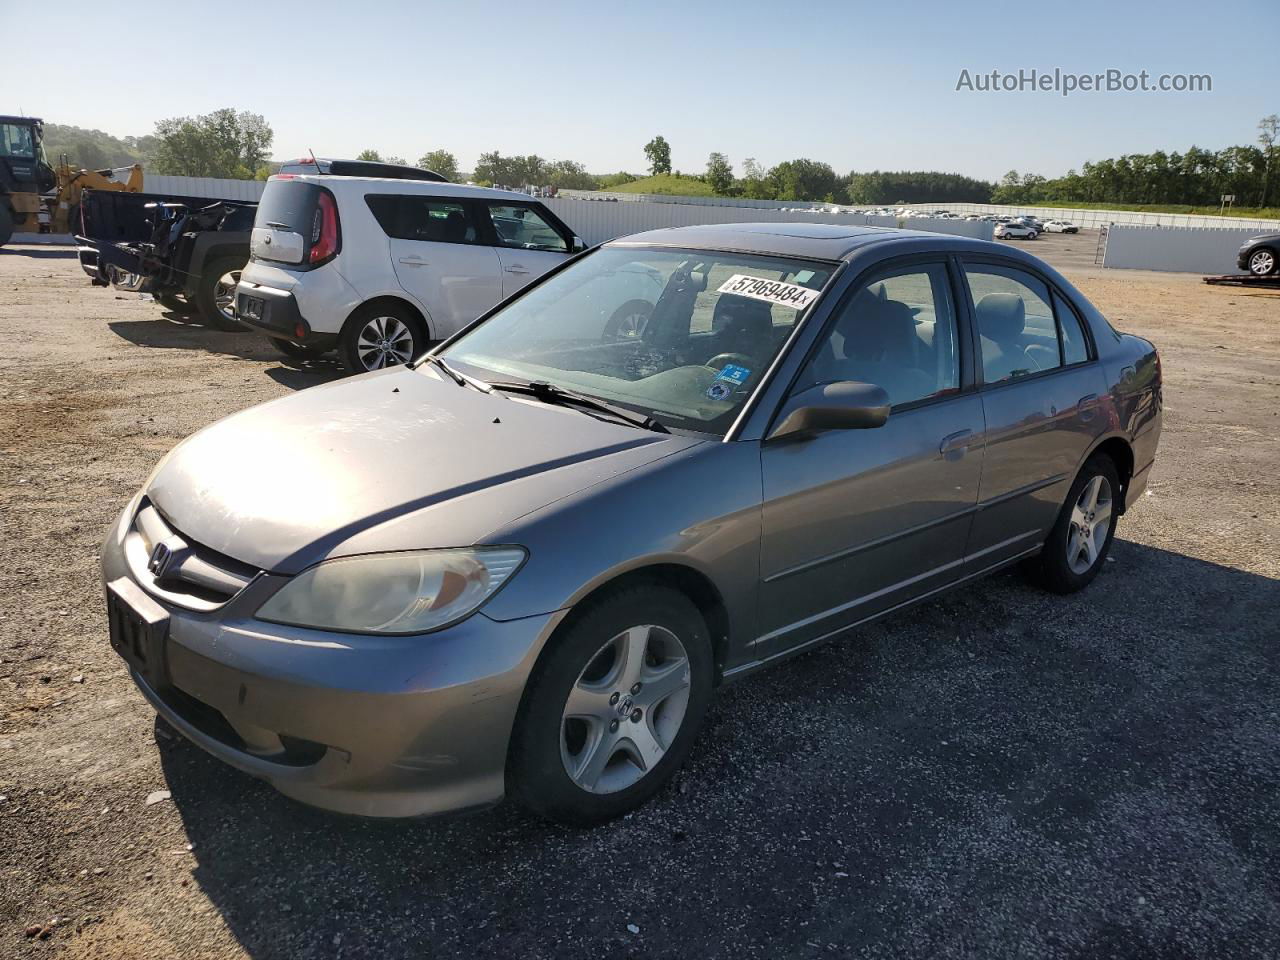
column 770, row 291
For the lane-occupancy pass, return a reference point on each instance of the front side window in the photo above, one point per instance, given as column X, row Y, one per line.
column 680, row 335
column 16, row 141
column 1015, row 322
column 519, row 226
column 429, row 219
column 898, row 332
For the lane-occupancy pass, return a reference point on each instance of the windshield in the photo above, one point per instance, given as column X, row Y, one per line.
column 682, row 336
column 15, row 141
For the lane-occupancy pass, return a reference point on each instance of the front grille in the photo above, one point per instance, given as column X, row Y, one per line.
column 179, row 569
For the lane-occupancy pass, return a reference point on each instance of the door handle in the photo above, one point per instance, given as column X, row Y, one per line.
column 516, row 268
column 414, row 261
column 955, row 445
column 1085, row 407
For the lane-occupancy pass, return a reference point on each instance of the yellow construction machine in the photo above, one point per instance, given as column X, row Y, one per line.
column 37, row 197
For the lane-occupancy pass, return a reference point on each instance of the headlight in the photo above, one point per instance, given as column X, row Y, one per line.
column 393, row 592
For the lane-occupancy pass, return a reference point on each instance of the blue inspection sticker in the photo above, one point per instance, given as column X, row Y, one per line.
column 734, row 374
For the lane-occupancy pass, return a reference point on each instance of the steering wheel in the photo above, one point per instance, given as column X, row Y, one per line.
column 717, row 362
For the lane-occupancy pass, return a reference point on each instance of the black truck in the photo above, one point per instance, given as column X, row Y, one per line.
column 184, row 250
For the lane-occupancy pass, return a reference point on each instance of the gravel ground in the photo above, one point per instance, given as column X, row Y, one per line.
column 999, row 773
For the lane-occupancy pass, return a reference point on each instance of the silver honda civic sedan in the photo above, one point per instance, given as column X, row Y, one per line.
column 524, row 563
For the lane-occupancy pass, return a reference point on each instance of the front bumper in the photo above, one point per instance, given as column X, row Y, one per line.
column 374, row 726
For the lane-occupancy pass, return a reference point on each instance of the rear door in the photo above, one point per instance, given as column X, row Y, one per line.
column 527, row 243
column 1041, row 384
column 439, row 255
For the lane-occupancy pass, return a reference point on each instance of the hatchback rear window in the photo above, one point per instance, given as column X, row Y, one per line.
column 288, row 205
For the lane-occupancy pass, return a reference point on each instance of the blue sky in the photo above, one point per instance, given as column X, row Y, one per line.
column 858, row 85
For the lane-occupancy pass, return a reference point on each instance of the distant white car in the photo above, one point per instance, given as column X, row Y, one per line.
column 1015, row 231
column 1060, row 226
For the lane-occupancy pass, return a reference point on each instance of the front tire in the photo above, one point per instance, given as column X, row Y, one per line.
column 381, row 335
column 1078, row 545
column 613, row 708
column 216, row 292
column 1263, row 262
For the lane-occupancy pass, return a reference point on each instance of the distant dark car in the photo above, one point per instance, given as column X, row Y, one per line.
column 1261, row 255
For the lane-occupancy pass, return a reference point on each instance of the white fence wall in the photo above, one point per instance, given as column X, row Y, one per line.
column 210, row 187
column 1092, row 219
column 1189, row 249
column 599, row 220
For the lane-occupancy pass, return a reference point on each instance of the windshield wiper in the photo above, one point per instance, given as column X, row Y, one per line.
column 461, row 379
column 550, row 393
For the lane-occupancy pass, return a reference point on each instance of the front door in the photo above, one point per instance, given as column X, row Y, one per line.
column 526, row 244
column 858, row 521
column 1040, row 398
column 439, row 257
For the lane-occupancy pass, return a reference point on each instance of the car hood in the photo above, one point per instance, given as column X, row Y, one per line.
column 394, row 460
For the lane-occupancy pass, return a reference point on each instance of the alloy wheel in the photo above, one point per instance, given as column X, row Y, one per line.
column 224, row 294
column 1262, row 263
column 384, row 342
column 631, row 326
column 625, row 709
column 1090, row 524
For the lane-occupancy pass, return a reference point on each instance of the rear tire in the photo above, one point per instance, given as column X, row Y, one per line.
column 298, row 351
column 215, row 292
column 6, row 222
column 578, row 709
column 1078, row 545
column 380, row 335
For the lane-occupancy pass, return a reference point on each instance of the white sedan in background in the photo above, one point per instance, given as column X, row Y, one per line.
column 1060, row 226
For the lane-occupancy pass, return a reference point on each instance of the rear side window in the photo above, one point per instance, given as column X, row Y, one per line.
column 1015, row 322
column 429, row 219
column 1075, row 348
column 520, row 226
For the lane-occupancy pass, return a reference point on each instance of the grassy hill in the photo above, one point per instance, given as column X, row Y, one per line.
column 667, row 183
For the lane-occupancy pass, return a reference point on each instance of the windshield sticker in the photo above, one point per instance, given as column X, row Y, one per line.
column 734, row 374
column 720, row 390
column 770, row 291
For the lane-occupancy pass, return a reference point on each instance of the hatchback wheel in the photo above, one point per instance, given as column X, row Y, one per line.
column 1262, row 263
column 1080, row 540
column 614, row 707
column 381, row 336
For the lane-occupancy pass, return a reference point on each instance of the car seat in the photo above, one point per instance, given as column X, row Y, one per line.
column 1002, row 322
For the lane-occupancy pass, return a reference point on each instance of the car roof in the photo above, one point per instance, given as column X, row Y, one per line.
column 819, row 241
column 395, row 185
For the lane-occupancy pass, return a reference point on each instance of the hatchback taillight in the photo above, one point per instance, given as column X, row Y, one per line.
column 325, row 231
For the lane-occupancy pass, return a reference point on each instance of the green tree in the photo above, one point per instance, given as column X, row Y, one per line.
column 719, row 173
column 803, row 180
column 369, row 156
column 442, row 162
column 568, row 175
column 611, row 180
column 218, row 144
column 658, row 153
column 1268, row 130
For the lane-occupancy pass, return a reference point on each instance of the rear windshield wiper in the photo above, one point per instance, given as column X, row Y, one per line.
column 550, row 393
column 461, row 379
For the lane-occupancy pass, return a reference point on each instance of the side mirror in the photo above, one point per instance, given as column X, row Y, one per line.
column 578, row 245
column 843, row 405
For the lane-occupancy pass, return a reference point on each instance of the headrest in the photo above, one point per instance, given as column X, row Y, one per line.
column 742, row 313
column 1001, row 316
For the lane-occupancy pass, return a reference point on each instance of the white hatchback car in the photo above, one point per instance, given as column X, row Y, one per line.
column 378, row 269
